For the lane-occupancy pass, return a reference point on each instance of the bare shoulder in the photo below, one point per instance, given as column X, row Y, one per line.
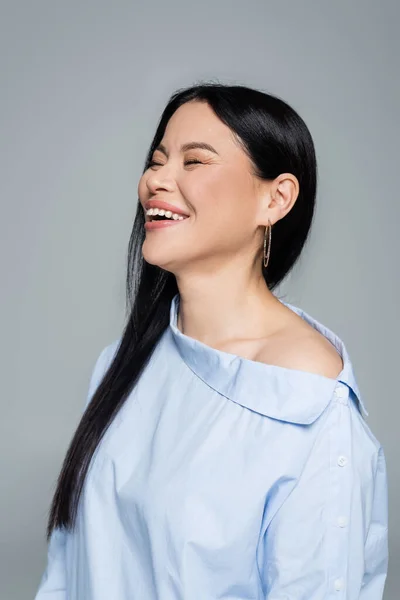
column 316, row 354
column 303, row 348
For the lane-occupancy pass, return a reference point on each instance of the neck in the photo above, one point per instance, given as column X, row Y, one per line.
column 216, row 314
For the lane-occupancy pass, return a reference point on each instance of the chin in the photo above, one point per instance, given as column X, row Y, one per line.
column 157, row 259
column 161, row 254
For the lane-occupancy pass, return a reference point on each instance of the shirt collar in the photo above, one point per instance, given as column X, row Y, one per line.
column 277, row 392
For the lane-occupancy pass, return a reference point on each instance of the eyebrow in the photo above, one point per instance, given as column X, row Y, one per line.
column 188, row 146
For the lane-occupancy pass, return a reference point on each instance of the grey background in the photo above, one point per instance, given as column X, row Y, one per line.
column 82, row 87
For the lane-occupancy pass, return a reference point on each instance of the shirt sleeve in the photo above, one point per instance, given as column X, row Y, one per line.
column 53, row 582
column 329, row 537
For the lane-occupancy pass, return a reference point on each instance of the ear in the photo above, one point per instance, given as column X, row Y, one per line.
column 278, row 198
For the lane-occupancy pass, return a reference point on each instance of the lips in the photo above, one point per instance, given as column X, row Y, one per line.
column 150, row 225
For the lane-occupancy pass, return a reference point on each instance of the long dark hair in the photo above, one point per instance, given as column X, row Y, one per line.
column 276, row 140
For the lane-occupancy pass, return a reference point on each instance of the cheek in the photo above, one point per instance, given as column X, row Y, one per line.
column 222, row 197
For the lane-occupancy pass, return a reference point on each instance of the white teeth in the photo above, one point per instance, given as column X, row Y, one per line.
column 167, row 213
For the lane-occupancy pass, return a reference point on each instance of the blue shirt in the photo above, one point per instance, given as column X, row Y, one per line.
column 223, row 478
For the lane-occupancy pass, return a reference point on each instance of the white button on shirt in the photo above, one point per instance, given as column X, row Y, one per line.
column 340, row 392
column 342, row 461
column 339, row 584
column 342, row 521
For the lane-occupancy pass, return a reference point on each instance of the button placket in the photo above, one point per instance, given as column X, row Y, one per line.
column 342, row 520
column 342, row 476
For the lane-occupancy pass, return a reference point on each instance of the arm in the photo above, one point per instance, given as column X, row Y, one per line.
column 376, row 546
column 53, row 582
column 329, row 537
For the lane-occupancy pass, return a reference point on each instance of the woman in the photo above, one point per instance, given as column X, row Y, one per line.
column 223, row 452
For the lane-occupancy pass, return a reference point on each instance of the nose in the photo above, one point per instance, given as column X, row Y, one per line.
column 161, row 179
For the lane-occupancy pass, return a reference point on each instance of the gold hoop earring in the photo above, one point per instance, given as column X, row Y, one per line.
column 268, row 229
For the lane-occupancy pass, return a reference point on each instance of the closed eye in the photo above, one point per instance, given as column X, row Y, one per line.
column 153, row 163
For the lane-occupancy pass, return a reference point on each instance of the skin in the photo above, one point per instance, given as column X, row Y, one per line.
column 216, row 255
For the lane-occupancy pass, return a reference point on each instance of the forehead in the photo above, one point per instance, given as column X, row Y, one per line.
column 197, row 121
